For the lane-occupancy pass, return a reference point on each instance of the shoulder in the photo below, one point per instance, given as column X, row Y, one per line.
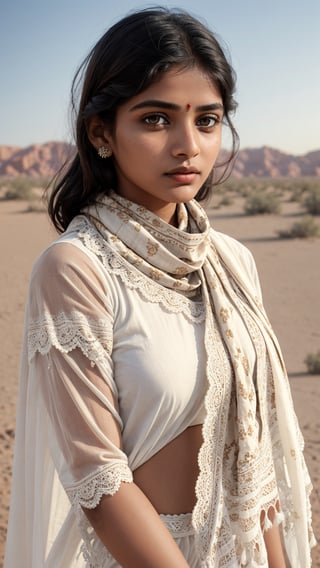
column 65, row 279
column 60, row 257
column 66, row 266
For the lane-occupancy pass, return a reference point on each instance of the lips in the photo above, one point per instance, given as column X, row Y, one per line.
column 183, row 175
column 183, row 171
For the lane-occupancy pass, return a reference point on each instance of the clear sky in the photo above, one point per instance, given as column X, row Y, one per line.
column 274, row 47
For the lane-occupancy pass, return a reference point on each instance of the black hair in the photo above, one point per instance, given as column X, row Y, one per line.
column 130, row 56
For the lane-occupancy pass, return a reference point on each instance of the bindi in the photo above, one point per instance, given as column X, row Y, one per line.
column 188, row 106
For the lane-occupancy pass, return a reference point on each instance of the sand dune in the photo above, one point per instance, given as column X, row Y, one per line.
column 290, row 276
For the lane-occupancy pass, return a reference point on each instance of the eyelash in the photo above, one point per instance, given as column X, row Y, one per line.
column 213, row 118
column 156, row 115
column 152, row 116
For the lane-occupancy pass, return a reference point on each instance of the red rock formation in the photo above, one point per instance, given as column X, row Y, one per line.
column 38, row 160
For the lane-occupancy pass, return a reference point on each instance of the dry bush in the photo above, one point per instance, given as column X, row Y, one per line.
column 312, row 199
column 18, row 188
column 262, row 203
column 306, row 228
column 298, row 187
column 23, row 188
column 312, row 361
column 225, row 201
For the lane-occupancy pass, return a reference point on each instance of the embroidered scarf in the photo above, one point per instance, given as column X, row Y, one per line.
column 251, row 458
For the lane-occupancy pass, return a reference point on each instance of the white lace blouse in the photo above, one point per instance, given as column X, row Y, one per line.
column 122, row 373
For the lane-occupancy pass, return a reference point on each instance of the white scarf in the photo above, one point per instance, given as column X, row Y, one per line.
column 251, row 458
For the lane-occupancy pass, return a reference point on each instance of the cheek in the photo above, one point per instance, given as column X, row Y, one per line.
column 212, row 147
column 133, row 144
column 131, row 157
column 216, row 145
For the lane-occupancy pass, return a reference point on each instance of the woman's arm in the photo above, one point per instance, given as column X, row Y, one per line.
column 277, row 557
column 133, row 532
column 274, row 546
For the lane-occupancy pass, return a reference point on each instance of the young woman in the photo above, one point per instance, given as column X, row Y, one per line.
column 155, row 424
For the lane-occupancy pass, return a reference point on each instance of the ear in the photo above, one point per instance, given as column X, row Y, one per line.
column 97, row 132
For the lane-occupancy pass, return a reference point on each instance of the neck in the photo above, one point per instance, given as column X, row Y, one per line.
column 174, row 219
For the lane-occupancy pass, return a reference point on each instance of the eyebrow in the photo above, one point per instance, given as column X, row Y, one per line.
column 171, row 106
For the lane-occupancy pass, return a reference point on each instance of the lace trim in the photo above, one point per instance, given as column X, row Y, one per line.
column 88, row 492
column 179, row 525
column 216, row 520
column 208, row 512
column 149, row 289
column 95, row 554
column 66, row 332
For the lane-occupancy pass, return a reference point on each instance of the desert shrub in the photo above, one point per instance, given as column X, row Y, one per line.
column 279, row 188
column 306, row 228
column 225, row 200
column 19, row 188
column 35, row 207
column 262, row 203
column 242, row 186
column 298, row 187
column 252, row 186
column 312, row 200
column 296, row 194
column 312, row 361
column 286, row 188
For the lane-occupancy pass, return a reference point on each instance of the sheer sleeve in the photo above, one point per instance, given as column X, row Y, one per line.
column 70, row 329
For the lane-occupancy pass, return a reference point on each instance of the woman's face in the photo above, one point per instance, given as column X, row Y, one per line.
column 166, row 140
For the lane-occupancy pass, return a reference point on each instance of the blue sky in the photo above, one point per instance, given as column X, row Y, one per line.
column 274, row 47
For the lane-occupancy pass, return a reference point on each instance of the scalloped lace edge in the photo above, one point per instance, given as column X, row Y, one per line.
column 66, row 332
column 88, row 492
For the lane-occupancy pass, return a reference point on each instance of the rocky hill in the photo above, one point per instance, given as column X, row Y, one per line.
column 268, row 162
column 43, row 160
column 37, row 160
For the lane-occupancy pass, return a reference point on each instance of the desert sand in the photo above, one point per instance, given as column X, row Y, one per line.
column 290, row 276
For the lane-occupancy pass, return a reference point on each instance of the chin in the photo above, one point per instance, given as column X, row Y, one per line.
column 183, row 194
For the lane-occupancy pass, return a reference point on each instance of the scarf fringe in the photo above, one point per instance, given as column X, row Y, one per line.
column 268, row 523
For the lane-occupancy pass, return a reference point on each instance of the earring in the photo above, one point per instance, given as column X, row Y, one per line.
column 104, row 152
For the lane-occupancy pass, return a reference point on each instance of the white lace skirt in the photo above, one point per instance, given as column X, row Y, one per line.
column 180, row 526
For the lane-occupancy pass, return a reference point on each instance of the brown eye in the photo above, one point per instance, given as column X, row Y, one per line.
column 155, row 120
column 208, row 121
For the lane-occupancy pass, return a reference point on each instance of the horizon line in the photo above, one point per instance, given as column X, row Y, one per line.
column 241, row 149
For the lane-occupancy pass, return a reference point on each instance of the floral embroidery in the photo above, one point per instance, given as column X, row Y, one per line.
column 224, row 314
column 180, row 271
column 152, row 248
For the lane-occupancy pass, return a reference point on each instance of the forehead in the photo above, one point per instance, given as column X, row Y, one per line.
column 183, row 87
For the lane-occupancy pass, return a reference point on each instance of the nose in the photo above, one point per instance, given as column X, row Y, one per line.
column 185, row 141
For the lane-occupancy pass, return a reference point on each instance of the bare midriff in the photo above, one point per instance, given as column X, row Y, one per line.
column 169, row 478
